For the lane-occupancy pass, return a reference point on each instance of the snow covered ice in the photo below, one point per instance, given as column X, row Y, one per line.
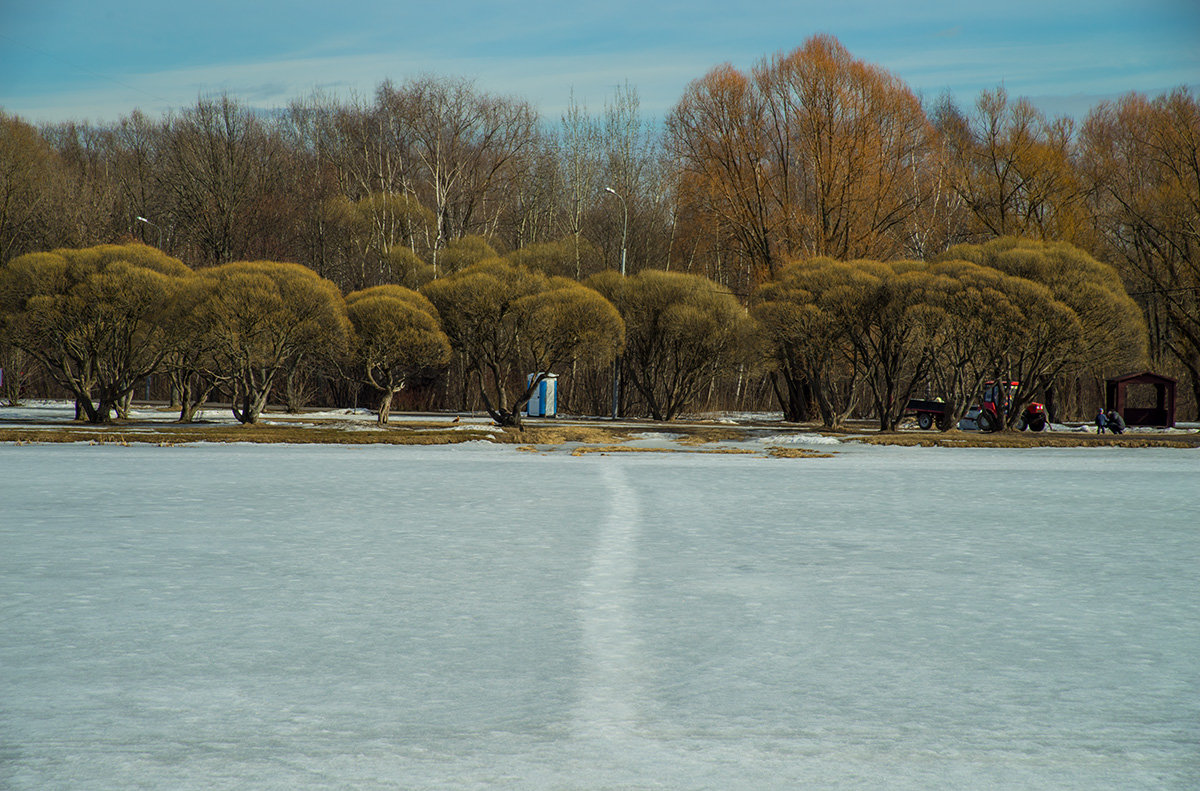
column 293, row 617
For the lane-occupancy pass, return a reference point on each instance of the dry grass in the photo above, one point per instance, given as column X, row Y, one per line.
column 596, row 437
column 176, row 434
column 702, row 436
column 606, row 449
column 1016, row 439
column 776, row 452
column 557, row 435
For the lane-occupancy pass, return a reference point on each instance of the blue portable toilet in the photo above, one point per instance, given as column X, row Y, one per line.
column 544, row 401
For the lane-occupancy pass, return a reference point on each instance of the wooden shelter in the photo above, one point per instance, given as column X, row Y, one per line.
column 1137, row 411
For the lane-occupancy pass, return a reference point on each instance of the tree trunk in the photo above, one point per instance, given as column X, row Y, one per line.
column 123, row 403
column 192, row 396
column 385, row 406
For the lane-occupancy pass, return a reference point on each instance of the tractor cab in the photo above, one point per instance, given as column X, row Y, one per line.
column 996, row 395
column 993, row 408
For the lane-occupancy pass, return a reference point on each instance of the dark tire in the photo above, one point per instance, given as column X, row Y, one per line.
column 925, row 420
column 1037, row 423
column 986, row 421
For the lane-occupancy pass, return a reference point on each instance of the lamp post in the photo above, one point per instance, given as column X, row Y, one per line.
column 139, row 218
column 624, row 226
column 616, row 387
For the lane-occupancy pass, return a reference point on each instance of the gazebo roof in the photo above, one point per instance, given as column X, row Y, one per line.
column 1142, row 377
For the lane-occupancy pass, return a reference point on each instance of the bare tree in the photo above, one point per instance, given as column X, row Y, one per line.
column 463, row 141
column 213, row 172
column 1142, row 163
column 816, row 153
column 1013, row 169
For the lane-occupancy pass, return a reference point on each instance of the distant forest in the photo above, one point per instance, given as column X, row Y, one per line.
column 811, row 159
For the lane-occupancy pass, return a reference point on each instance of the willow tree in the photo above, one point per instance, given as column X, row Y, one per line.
column 267, row 317
column 193, row 338
column 396, row 340
column 830, row 326
column 567, row 257
column 463, row 252
column 816, row 153
column 379, row 235
column 1104, row 331
column 681, row 331
column 94, row 318
column 879, row 308
column 983, row 323
column 814, row 368
column 509, row 321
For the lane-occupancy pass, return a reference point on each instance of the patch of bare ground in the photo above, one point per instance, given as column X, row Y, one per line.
column 592, row 437
column 607, row 449
column 1015, row 439
column 693, row 435
column 776, row 452
column 558, row 435
column 178, row 434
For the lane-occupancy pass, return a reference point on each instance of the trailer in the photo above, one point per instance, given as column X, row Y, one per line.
column 928, row 412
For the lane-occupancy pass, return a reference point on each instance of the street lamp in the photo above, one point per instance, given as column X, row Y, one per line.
column 624, row 226
column 616, row 388
column 139, row 218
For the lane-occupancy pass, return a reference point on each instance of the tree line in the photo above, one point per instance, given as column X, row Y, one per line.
column 100, row 321
column 810, row 154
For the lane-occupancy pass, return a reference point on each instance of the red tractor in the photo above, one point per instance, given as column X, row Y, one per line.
column 989, row 415
column 994, row 407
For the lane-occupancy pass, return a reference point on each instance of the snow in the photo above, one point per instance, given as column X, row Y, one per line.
column 802, row 438
column 471, row 617
column 64, row 411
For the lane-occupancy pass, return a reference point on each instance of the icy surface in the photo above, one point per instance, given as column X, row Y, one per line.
column 270, row 617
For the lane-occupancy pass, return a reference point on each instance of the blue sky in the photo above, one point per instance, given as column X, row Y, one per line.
column 98, row 60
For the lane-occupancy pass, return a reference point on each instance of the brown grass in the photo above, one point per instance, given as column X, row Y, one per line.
column 1017, row 439
column 701, row 436
column 176, row 434
column 557, row 435
column 776, row 452
column 598, row 437
column 606, row 449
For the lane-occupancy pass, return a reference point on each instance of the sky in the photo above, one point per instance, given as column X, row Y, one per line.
column 98, row 60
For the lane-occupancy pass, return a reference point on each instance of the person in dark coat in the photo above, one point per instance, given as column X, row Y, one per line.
column 1116, row 423
column 1101, row 421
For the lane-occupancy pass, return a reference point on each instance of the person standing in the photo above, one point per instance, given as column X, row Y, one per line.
column 1101, row 421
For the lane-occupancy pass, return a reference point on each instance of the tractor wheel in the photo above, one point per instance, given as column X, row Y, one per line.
column 925, row 420
column 986, row 422
column 1037, row 422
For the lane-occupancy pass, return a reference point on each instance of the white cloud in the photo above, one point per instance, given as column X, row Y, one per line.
column 546, row 82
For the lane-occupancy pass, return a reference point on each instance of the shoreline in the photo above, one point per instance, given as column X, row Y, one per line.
column 50, row 422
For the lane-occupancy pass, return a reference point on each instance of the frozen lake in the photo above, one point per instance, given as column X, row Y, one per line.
column 304, row 617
